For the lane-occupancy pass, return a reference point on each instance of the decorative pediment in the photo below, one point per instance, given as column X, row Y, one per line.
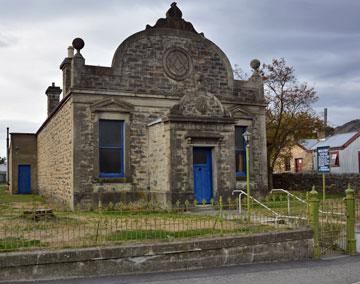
column 240, row 112
column 173, row 20
column 112, row 105
column 200, row 104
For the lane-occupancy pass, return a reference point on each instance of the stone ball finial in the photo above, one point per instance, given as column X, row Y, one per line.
column 255, row 64
column 78, row 44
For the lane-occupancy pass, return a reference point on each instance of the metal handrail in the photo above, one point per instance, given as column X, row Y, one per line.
column 289, row 194
column 241, row 192
column 301, row 200
column 277, row 215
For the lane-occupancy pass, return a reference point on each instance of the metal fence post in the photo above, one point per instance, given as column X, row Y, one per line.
column 314, row 220
column 307, row 204
column 350, row 221
column 221, row 214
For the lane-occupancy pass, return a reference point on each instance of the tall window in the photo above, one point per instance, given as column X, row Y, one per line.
column 240, row 151
column 334, row 159
column 111, row 148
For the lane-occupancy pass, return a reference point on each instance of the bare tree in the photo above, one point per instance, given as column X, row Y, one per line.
column 239, row 74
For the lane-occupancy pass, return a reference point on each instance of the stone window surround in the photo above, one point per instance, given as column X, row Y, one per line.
column 243, row 150
column 120, row 149
column 248, row 123
column 211, row 142
column 103, row 115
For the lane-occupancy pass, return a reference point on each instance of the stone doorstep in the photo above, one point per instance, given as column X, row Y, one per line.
column 32, row 258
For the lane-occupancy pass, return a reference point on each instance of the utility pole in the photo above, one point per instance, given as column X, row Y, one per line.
column 325, row 121
column 7, row 155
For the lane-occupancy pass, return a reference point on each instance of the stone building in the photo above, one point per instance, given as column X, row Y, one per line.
column 164, row 122
column 299, row 158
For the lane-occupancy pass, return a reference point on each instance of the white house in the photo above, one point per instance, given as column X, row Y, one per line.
column 344, row 152
column 2, row 173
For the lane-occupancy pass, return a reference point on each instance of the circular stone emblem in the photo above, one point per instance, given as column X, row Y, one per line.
column 177, row 64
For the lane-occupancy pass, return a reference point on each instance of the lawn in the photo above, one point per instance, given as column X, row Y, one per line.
column 14, row 204
column 7, row 198
column 108, row 226
column 139, row 222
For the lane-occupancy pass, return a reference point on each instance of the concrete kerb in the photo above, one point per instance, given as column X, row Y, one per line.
column 156, row 257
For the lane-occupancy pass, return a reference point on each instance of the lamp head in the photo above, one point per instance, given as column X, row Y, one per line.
column 247, row 136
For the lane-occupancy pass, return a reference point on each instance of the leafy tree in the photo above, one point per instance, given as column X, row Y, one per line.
column 289, row 112
column 2, row 160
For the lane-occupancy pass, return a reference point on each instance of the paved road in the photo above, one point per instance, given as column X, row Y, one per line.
column 342, row 270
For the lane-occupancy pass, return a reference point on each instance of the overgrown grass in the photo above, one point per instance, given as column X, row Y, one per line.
column 129, row 222
column 124, row 235
column 139, row 214
column 7, row 198
column 12, row 243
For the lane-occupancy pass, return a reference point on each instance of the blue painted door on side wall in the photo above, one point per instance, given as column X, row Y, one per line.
column 24, row 179
column 202, row 174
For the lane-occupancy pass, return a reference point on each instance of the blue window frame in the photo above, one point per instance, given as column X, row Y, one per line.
column 240, row 151
column 111, row 148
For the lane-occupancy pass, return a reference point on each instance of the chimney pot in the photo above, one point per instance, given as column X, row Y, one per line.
column 70, row 52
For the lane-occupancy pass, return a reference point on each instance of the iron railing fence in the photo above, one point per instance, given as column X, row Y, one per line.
column 332, row 225
column 31, row 225
column 43, row 228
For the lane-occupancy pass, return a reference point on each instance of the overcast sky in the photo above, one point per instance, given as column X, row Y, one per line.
column 320, row 38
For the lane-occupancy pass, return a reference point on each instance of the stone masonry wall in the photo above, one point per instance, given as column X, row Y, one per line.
column 55, row 157
column 182, row 184
column 297, row 152
column 159, row 158
column 136, row 183
column 258, row 156
column 157, row 257
column 335, row 183
column 138, row 66
column 140, row 182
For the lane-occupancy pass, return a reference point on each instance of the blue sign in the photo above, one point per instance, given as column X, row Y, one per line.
column 323, row 159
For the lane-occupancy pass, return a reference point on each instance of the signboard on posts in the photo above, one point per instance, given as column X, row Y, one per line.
column 323, row 159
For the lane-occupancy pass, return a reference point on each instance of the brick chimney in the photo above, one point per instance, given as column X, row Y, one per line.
column 53, row 94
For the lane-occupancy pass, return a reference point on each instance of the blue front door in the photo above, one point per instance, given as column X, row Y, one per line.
column 24, row 179
column 202, row 174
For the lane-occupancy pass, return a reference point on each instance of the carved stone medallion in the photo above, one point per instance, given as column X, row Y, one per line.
column 177, row 64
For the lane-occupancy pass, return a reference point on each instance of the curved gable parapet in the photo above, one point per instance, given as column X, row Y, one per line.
column 165, row 60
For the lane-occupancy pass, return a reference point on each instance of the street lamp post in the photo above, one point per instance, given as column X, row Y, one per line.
column 246, row 136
